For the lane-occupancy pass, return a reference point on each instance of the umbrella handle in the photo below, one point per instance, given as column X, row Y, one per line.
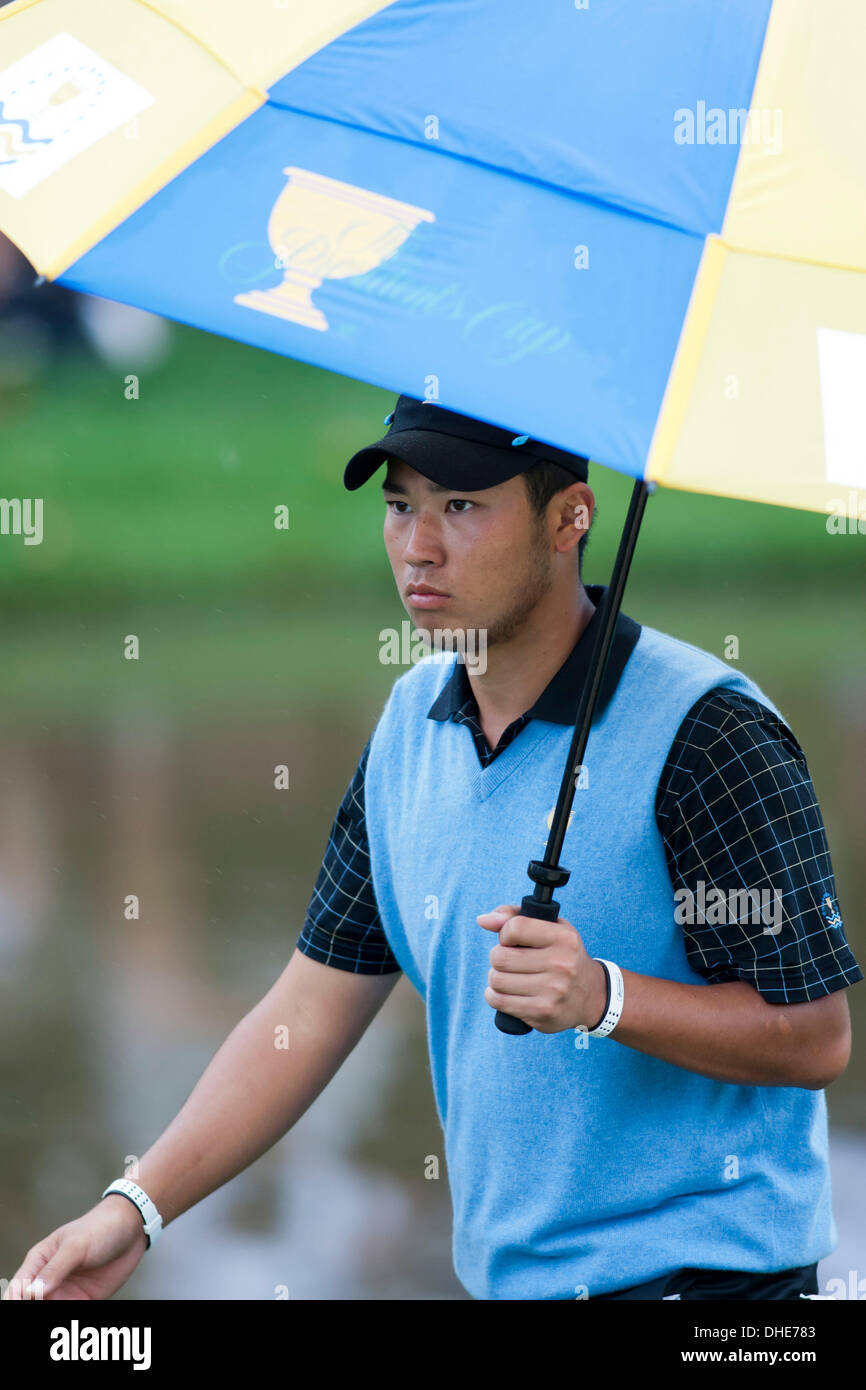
column 545, row 912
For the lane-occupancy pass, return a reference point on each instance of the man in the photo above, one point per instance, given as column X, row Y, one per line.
column 668, row 1143
column 685, row 1152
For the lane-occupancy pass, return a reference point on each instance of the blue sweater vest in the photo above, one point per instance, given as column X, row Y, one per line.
column 577, row 1165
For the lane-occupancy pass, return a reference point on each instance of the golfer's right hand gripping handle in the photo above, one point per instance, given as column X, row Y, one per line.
column 546, row 912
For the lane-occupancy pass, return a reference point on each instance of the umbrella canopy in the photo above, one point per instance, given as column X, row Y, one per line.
column 634, row 231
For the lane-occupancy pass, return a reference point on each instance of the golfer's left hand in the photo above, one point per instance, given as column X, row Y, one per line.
column 542, row 973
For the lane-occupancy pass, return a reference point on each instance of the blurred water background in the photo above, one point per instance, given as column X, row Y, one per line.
column 155, row 776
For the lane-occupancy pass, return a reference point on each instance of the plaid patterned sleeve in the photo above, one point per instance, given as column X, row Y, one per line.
column 748, row 856
column 342, row 926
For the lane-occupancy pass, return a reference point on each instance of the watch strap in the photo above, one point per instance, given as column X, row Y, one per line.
column 125, row 1187
column 615, row 996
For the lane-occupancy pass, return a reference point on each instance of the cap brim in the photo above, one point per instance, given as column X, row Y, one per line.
column 446, row 459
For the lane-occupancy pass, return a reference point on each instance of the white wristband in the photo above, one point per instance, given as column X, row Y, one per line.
column 149, row 1214
column 616, row 994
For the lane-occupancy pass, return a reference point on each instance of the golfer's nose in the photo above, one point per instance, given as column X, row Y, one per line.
column 424, row 544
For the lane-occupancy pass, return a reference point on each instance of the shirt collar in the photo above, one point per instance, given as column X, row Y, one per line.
column 557, row 703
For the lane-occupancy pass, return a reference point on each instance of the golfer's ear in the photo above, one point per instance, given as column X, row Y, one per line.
column 576, row 504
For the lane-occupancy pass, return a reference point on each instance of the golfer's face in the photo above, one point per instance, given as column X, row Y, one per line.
column 455, row 555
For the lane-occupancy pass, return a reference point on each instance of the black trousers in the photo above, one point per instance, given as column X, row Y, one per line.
column 717, row 1284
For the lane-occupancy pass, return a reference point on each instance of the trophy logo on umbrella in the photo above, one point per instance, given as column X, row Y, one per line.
column 323, row 229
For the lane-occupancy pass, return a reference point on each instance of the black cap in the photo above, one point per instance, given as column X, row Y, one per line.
column 454, row 450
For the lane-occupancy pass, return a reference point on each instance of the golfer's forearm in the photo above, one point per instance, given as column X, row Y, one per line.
column 253, row 1091
column 725, row 1031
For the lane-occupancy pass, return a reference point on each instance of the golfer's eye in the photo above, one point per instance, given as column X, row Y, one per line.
column 461, row 502
column 392, row 502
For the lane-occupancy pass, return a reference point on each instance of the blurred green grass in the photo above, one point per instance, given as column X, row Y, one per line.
column 159, row 520
column 178, row 487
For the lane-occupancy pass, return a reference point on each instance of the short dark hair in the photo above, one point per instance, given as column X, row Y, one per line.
column 543, row 479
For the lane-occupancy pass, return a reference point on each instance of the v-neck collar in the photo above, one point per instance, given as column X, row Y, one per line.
column 557, row 703
column 487, row 780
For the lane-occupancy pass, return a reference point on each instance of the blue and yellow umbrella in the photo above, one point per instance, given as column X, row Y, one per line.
column 636, row 231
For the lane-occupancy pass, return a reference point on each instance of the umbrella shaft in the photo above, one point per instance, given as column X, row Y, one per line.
column 547, row 875
column 610, row 604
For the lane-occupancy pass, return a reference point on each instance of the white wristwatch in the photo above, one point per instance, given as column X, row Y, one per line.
column 149, row 1214
column 615, row 996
